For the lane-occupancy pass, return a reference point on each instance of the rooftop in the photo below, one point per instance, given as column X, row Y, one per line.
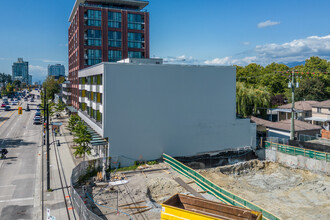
column 286, row 124
column 301, row 105
column 133, row 3
column 324, row 104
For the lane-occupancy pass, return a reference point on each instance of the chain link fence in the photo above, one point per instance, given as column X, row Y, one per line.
column 79, row 173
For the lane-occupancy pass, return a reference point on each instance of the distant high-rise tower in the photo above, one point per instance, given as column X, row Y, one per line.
column 57, row 70
column 20, row 71
column 105, row 31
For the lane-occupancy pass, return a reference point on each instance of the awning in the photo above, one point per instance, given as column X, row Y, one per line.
column 285, row 110
column 97, row 140
column 72, row 109
column 317, row 119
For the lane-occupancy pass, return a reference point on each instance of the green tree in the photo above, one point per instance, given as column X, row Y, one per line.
column 82, row 139
column 249, row 74
column 52, row 87
column 249, row 99
column 275, row 82
column 311, row 88
column 73, row 120
column 59, row 107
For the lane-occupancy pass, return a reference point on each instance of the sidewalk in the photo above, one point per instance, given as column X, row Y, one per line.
column 54, row 201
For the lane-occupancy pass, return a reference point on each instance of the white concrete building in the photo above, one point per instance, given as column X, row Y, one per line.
column 145, row 109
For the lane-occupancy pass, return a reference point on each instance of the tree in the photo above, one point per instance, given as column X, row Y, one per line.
column 249, row 99
column 59, row 107
column 311, row 88
column 52, row 87
column 275, row 82
column 73, row 120
column 82, row 139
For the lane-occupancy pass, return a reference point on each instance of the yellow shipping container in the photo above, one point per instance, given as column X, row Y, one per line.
column 183, row 207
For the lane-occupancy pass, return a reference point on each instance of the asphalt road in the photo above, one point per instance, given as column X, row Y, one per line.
column 18, row 173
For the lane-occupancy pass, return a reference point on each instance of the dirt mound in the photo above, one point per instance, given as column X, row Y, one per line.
column 162, row 188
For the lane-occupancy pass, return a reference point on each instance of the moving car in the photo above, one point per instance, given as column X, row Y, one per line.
column 7, row 108
column 3, row 105
column 14, row 103
column 37, row 120
column 38, row 113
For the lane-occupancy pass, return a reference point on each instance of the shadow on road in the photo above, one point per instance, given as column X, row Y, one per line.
column 3, row 119
column 14, row 143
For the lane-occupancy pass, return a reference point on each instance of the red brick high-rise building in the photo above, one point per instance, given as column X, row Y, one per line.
column 104, row 31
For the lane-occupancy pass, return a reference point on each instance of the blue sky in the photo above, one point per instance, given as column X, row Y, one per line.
column 214, row 32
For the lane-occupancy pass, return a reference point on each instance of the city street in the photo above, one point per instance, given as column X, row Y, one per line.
column 19, row 195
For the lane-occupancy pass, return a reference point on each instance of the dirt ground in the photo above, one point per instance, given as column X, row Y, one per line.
column 287, row 193
column 148, row 190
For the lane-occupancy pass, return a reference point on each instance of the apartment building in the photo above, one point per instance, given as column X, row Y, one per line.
column 20, row 71
column 56, row 71
column 105, row 31
column 145, row 108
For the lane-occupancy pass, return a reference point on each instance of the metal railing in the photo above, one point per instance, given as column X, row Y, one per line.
column 213, row 189
column 295, row 151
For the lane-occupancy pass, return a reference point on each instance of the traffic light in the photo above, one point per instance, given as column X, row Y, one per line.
column 20, row 110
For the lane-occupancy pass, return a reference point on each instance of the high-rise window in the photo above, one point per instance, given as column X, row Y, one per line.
column 114, row 39
column 93, row 38
column 135, row 40
column 94, row 18
column 134, row 54
column 93, row 57
column 114, row 55
column 135, row 21
column 114, row 19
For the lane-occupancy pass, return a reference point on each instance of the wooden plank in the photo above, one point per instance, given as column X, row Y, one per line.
column 145, row 210
column 188, row 188
column 138, row 207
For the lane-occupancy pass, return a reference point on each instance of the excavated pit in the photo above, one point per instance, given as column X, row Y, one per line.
column 287, row 193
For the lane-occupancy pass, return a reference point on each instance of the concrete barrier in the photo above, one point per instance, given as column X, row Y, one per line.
column 298, row 161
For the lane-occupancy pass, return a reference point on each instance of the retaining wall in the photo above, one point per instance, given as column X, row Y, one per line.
column 298, row 157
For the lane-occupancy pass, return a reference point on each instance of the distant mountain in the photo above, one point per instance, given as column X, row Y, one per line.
column 293, row 64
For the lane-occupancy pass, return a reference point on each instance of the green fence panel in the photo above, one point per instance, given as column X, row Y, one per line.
column 299, row 151
column 213, row 189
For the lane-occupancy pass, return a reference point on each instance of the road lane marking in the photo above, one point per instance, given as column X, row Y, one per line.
column 16, row 200
column 7, row 186
column 7, row 119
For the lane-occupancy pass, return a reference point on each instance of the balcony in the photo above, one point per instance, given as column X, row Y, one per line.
column 83, row 99
column 82, row 86
column 66, row 93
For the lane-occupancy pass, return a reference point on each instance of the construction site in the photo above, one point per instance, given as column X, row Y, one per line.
column 285, row 192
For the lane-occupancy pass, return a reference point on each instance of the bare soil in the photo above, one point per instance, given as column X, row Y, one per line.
column 287, row 193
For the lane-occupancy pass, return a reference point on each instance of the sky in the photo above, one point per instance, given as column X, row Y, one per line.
column 213, row 32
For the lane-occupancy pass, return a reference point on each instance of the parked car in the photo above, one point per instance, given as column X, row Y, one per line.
column 38, row 113
column 7, row 108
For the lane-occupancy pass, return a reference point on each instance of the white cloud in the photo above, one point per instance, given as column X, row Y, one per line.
column 267, row 23
column 38, row 72
column 231, row 61
column 296, row 50
column 246, row 43
column 181, row 60
column 52, row 61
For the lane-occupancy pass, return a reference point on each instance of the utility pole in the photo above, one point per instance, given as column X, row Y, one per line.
column 48, row 154
column 292, row 131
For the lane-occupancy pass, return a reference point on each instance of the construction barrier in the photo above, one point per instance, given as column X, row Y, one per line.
column 213, row 189
column 295, row 151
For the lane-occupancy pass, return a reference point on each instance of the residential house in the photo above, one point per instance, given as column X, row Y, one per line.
column 303, row 109
column 321, row 114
